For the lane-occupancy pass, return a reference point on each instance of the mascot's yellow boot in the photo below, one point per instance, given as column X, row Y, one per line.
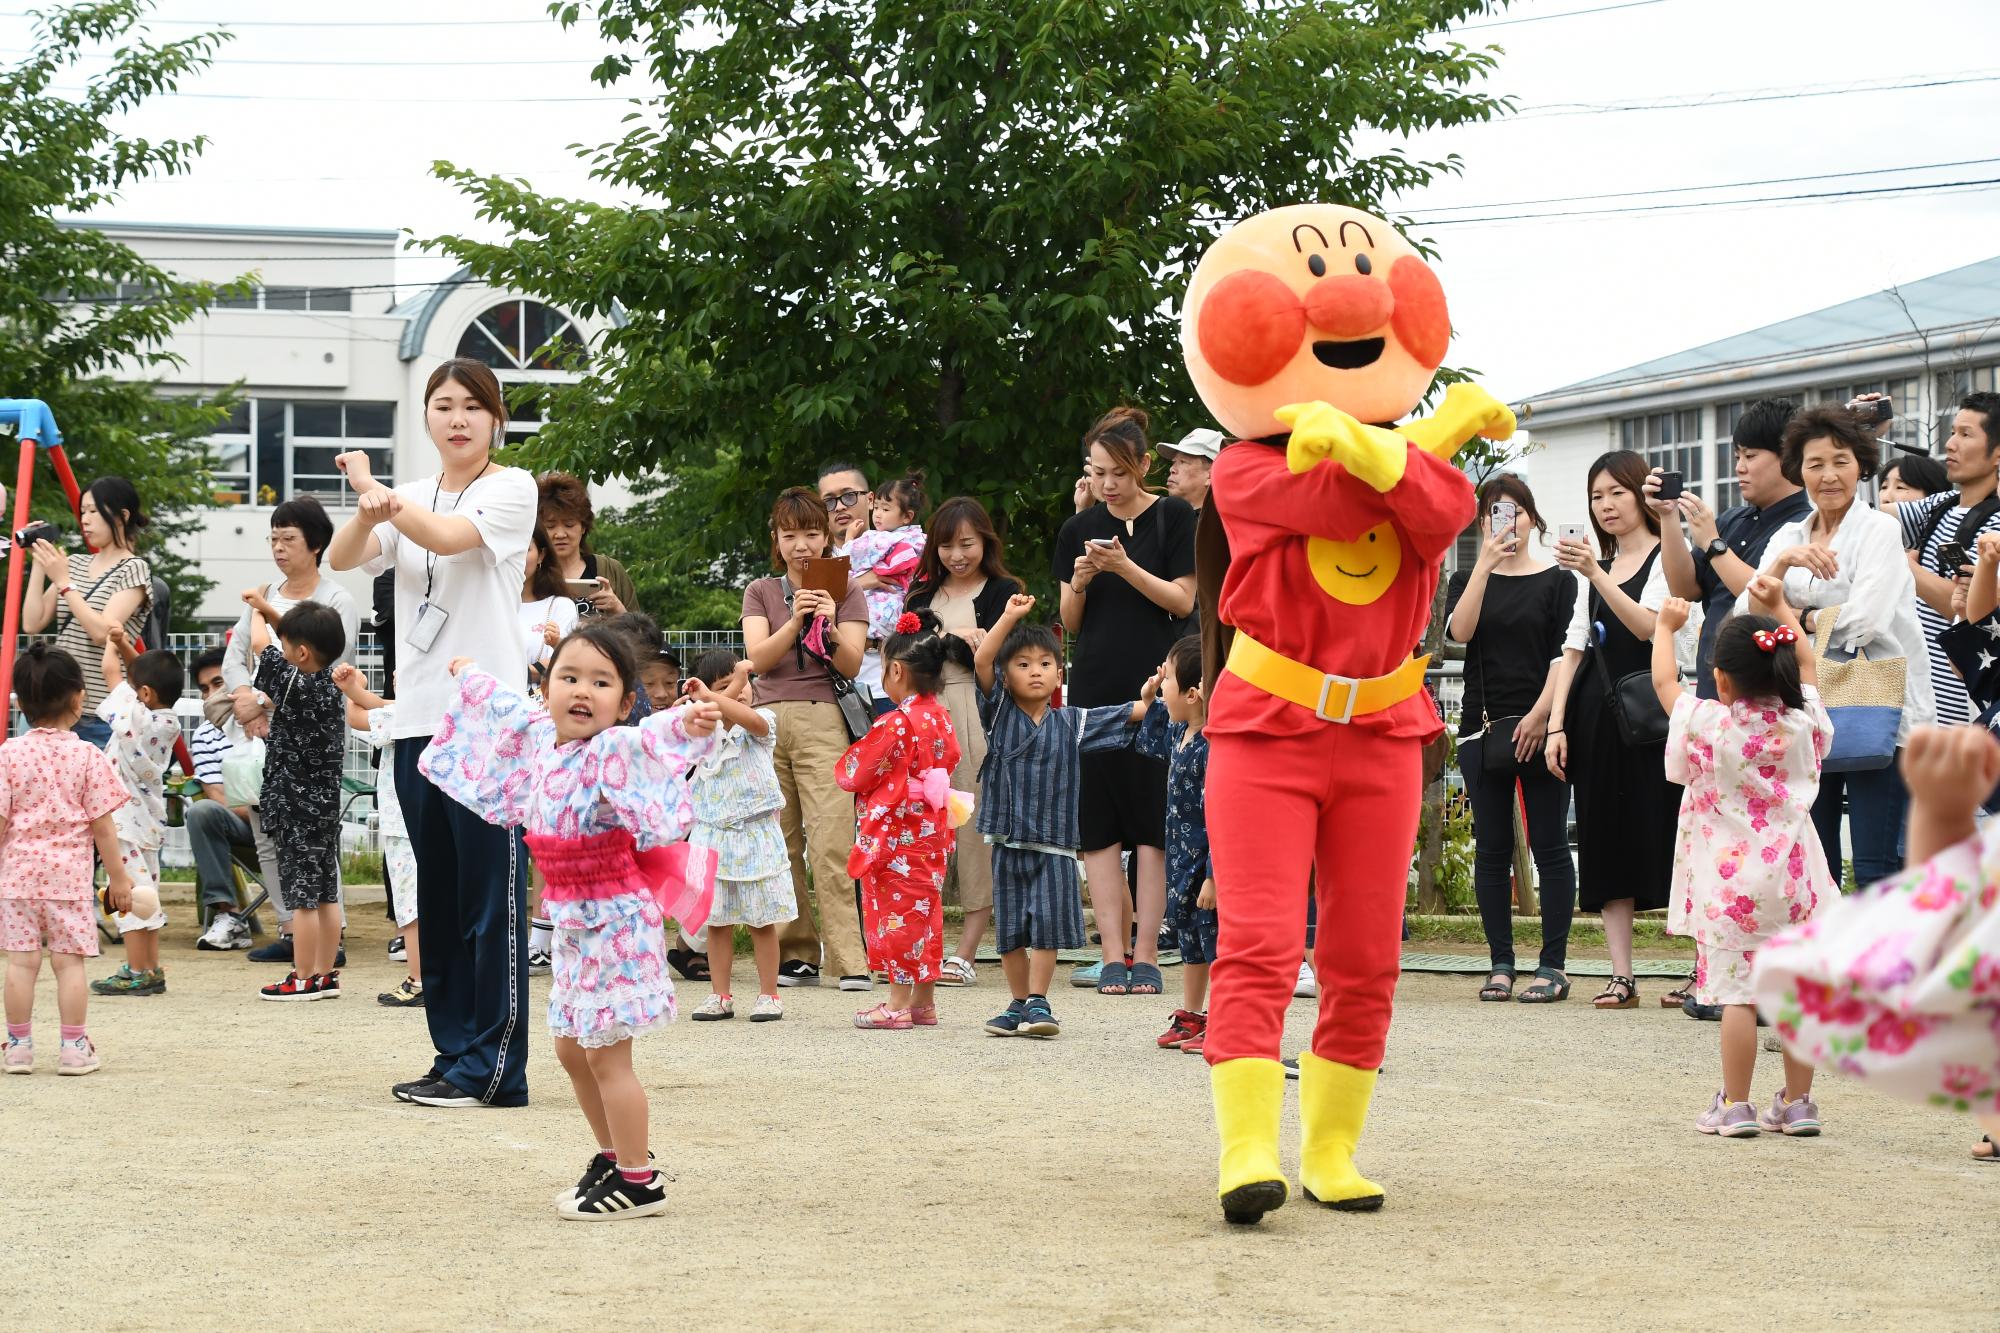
column 1249, row 1098
column 1333, row 1107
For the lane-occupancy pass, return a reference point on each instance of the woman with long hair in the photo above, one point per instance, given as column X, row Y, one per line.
column 963, row 581
column 458, row 542
column 1626, row 810
column 88, row 592
column 548, row 613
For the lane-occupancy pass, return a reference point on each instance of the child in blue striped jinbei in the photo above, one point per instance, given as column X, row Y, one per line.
column 1028, row 809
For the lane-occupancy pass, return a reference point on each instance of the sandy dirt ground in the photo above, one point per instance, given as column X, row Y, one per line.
column 238, row 1163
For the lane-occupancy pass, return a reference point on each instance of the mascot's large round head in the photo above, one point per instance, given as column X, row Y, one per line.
column 1313, row 302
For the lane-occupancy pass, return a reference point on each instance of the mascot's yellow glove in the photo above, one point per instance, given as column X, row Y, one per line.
column 1467, row 411
column 1321, row 432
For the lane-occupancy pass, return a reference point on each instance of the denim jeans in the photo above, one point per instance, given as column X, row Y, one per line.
column 1545, row 798
column 1876, row 801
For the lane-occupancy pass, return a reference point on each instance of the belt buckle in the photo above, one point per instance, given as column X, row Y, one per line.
column 1326, row 684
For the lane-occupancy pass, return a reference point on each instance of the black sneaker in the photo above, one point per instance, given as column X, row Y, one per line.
column 797, row 972
column 397, row 953
column 615, row 1198
column 401, row 1091
column 442, row 1092
column 409, row 994
column 340, row 957
column 1038, row 1020
column 1008, row 1022
column 600, row 1167
column 1291, row 1064
column 539, row 963
column 277, row 951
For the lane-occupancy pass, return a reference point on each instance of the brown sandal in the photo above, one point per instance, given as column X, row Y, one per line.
column 1618, row 993
column 1679, row 995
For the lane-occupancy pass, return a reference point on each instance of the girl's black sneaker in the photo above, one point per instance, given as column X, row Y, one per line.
column 615, row 1198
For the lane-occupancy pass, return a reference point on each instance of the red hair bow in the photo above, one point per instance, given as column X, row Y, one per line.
column 908, row 623
column 1770, row 639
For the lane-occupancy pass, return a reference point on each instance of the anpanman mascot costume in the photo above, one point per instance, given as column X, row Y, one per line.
column 1302, row 326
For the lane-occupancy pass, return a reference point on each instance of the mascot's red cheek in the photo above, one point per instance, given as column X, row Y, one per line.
column 1250, row 326
column 1421, row 322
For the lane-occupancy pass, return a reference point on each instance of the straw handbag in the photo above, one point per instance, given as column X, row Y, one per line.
column 1864, row 697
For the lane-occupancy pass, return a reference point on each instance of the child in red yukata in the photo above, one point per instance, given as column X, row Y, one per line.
column 900, row 774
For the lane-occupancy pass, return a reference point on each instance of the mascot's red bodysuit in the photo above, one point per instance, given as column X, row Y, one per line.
column 1301, row 325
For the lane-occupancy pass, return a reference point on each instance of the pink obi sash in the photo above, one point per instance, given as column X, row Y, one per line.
column 679, row 877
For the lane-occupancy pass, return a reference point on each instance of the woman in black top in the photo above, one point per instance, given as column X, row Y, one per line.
column 1510, row 611
column 1626, row 810
column 1126, row 565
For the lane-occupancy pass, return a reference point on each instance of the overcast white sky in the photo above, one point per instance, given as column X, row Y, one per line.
column 1537, row 304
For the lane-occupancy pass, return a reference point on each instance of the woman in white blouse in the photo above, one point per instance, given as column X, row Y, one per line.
column 1849, row 556
column 548, row 611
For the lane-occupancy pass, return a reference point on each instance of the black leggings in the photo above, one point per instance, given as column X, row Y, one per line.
column 1547, row 800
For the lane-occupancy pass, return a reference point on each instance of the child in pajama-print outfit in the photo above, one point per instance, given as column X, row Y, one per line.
column 736, row 805
column 900, row 774
column 1900, row 984
column 140, row 713
column 1748, row 862
column 57, row 797
column 604, row 808
column 299, row 801
column 1028, row 810
column 1172, row 733
column 371, row 717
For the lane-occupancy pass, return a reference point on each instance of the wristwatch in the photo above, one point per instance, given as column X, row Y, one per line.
column 1717, row 549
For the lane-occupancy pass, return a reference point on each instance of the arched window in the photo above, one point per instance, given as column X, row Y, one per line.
column 510, row 336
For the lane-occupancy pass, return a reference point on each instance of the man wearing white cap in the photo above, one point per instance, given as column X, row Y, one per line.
column 1191, row 457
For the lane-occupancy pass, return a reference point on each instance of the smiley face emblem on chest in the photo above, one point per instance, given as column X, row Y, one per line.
column 1357, row 572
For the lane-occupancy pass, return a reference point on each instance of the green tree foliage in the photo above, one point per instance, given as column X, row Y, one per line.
column 941, row 235
column 76, row 307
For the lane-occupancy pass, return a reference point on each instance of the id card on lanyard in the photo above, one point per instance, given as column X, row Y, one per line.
column 430, row 620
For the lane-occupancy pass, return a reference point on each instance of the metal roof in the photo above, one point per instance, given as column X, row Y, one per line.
column 1966, row 298
column 234, row 229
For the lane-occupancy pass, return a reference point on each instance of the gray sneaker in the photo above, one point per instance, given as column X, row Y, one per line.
column 1799, row 1119
column 1730, row 1120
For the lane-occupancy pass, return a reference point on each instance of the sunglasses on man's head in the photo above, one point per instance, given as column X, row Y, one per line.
column 844, row 499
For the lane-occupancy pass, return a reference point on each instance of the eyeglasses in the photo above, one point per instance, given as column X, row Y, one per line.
column 844, row 500
column 209, row 685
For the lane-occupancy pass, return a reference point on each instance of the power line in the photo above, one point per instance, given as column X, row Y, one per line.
column 325, row 23
column 227, row 62
column 1742, row 97
column 1730, row 185
column 1544, row 18
column 1875, row 192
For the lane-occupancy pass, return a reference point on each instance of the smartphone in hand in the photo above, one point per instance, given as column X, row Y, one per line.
column 1671, row 486
column 1573, row 532
column 1952, row 559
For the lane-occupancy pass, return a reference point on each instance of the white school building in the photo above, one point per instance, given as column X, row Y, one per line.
column 332, row 355
column 1926, row 344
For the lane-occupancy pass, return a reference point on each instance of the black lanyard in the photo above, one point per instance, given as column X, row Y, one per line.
column 437, row 492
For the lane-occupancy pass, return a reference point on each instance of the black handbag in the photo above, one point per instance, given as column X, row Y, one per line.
column 853, row 709
column 1635, row 706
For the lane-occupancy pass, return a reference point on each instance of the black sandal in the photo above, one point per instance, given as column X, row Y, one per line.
column 1550, row 986
column 1493, row 990
column 691, row 965
column 1623, row 992
column 1679, row 995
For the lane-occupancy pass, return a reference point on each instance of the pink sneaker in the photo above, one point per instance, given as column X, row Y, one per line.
column 923, row 1015
column 20, row 1056
column 1799, row 1119
column 1730, row 1120
column 78, row 1057
column 884, row 1018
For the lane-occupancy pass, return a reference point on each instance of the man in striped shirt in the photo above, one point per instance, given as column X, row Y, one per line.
column 213, row 827
column 1971, row 461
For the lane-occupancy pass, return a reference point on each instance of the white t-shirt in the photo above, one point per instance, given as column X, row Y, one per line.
column 479, row 590
column 557, row 611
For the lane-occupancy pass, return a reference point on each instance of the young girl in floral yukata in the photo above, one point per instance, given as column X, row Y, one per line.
column 1748, row 862
column 900, row 774
column 1900, row 983
column 598, row 802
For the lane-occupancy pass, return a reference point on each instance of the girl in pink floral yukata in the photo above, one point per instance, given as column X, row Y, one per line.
column 1748, row 862
column 1900, row 984
column 604, row 808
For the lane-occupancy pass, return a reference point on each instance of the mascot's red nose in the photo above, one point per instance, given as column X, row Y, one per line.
column 1349, row 306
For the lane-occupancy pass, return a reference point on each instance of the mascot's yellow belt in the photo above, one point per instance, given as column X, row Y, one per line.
column 1332, row 698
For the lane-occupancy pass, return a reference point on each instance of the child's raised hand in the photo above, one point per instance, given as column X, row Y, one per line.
column 459, row 664
column 1950, row 770
column 1673, row 615
column 1150, row 690
column 1767, row 594
column 1019, row 605
column 115, row 637
column 700, row 718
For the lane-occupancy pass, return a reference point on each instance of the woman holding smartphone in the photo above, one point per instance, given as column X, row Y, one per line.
column 1510, row 610
column 599, row 584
